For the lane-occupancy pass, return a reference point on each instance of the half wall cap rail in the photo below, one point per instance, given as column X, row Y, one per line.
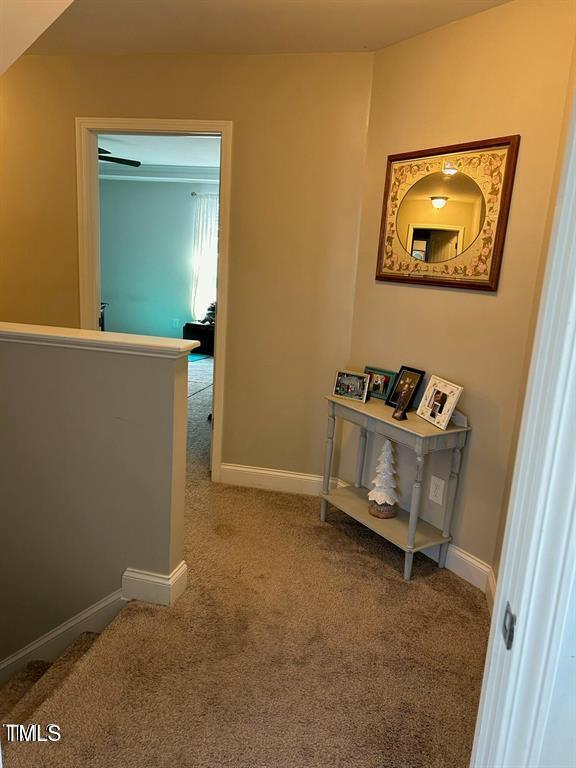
column 100, row 341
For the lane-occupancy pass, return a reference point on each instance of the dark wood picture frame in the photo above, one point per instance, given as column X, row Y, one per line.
column 393, row 397
column 489, row 243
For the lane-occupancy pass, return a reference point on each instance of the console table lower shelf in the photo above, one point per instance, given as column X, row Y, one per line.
column 354, row 502
column 407, row 531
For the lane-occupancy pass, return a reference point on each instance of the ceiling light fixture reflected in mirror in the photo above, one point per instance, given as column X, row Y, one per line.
column 443, row 228
column 449, row 168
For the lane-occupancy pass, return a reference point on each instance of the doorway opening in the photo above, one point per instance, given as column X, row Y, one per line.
column 159, row 209
column 153, row 211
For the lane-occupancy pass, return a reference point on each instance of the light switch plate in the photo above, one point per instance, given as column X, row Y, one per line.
column 436, row 489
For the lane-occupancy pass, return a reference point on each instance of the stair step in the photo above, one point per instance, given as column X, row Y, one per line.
column 51, row 680
column 19, row 685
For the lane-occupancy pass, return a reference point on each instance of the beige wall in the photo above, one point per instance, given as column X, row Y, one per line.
column 555, row 203
column 300, row 125
column 299, row 140
column 498, row 73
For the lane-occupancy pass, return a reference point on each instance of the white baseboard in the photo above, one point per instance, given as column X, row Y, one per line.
column 490, row 589
column 158, row 588
column 272, row 479
column 463, row 564
column 136, row 585
column 48, row 647
column 467, row 566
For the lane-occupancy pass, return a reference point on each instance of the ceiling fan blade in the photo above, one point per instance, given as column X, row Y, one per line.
column 104, row 151
column 121, row 161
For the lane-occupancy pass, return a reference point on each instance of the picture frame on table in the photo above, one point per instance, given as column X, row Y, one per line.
column 399, row 412
column 405, row 387
column 439, row 401
column 351, row 385
column 381, row 382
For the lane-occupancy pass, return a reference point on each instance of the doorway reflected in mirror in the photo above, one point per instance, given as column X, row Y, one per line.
column 432, row 232
column 445, row 214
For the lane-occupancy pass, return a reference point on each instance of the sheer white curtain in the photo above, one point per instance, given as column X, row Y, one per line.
column 204, row 253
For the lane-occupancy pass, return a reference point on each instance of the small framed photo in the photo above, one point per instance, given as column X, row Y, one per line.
column 439, row 401
column 405, row 387
column 352, row 385
column 399, row 412
column 381, row 382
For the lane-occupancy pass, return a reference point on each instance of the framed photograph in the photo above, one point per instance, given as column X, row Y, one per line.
column 352, row 385
column 381, row 382
column 439, row 401
column 405, row 387
column 445, row 214
column 400, row 411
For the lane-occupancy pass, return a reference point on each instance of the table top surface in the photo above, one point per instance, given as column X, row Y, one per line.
column 377, row 409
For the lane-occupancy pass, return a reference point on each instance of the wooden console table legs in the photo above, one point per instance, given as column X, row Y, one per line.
column 360, row 457
column 328, row 460
column 450, row 499
column 407, row 530
column 414, row 513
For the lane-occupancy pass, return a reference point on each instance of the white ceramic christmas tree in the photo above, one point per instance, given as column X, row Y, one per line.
column 383, row 496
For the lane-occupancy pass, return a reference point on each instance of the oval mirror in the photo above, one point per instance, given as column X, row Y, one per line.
column 440, row 216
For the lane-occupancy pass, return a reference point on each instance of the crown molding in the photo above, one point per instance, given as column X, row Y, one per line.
column 173, row 173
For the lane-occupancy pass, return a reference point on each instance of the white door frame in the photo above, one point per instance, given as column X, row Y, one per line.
column 87, row 130
column 443, row 227
column 537, row 571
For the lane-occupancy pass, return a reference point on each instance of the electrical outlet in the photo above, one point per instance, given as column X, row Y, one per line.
column 436, row 489
column 175, row 323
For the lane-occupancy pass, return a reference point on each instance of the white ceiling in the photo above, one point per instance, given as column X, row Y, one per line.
column 197, row 151
column 458, row 187
column 245, row 26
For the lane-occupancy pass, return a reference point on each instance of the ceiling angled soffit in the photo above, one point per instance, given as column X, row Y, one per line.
column 246, row 26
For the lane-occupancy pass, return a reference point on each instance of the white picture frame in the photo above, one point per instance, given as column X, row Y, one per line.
column 351, row 385
column 439, row 401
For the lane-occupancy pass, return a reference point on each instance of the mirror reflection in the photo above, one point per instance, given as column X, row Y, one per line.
column 441, row 215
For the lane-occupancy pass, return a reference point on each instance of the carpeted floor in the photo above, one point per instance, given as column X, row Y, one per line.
column 296, row 645
column 200, row 375
column 17, row 687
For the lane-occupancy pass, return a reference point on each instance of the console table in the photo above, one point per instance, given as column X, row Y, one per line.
column 407, row 530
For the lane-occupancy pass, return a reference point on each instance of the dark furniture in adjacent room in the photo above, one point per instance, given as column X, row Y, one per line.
column 202, row 333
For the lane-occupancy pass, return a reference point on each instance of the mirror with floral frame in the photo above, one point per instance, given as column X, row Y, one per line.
column 445, row 214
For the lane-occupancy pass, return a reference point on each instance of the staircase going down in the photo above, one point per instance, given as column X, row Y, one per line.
column 21, row 696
